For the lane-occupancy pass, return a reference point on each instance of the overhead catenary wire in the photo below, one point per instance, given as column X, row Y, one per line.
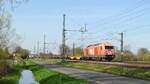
column 130, row 16
column 125, row 20
column 130, row 19
column 123, row 13
column 121, row 20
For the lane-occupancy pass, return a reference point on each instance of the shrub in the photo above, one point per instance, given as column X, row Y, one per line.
column 5, row 64
column 143, row 54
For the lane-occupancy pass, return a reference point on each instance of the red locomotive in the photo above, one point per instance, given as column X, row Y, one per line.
column 100, row 51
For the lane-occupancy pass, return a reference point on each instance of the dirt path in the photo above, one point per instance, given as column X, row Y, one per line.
column 94, row 77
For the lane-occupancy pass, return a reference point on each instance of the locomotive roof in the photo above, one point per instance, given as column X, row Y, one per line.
column 98, row 44
column 94, row 44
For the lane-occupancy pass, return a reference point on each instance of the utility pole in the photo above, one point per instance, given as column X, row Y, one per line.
column 44, row 44
column 121, row 46
column 34, row 49
column 73, row 49
column 83, row 30
column 64, row 37
column 38, row 44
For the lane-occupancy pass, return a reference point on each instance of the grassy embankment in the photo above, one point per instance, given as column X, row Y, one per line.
column 42, row 75
column 135, row 73
column 46, row 76
column 13, row 76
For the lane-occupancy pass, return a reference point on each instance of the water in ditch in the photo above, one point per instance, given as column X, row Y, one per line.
column 27, row 77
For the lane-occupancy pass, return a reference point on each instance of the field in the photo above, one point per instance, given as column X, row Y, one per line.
column 117, row 70
column 42, row 75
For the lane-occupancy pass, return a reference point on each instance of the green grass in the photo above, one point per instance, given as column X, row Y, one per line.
column 46, row 76
column 135, row 73
column 42, row 75
column 12, row 77
column 50, row 61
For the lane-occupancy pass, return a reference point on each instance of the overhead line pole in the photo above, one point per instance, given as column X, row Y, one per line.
column 82, row 30
column 122, row 49
column 44, row 44
column 34, row 49
column 73, row 50
column 82, row 38
column 122, row 42
column 64, row 37
column 38, row 44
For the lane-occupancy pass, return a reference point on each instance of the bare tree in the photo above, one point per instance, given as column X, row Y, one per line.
column 7, row 34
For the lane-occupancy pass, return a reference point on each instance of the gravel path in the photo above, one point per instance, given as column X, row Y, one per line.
column 94, row 77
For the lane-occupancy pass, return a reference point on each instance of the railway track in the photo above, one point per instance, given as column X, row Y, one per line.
column 123, row 64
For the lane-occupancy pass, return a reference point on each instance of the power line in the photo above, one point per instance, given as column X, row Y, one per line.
column 123, row 13
column 137, row 28
column 126, row 16
column 130, row 19
column 124, row 20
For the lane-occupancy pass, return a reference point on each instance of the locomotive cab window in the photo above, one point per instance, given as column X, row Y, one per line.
column 109, row 47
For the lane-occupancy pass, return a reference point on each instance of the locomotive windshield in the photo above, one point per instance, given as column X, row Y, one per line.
column 109, row 47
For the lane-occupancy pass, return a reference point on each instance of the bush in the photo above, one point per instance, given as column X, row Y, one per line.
column 22, row 53
column 4, row 67
column 4, row 54
column 126, row 56
column 5, row 63
column 143, row 54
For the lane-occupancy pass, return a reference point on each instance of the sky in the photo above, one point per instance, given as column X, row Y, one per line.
column 105, row 19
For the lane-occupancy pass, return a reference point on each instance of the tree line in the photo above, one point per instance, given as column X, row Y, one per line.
column 143, row 54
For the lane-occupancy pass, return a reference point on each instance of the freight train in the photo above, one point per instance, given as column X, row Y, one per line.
column 98, row 52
